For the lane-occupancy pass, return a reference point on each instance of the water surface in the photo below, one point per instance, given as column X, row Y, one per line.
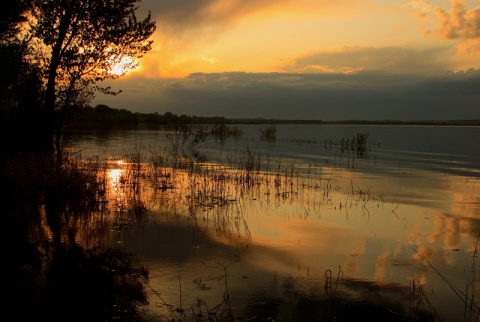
column 272, row 222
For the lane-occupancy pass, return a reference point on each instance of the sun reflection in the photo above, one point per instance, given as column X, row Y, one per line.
column 116, row 192
column 115, row 175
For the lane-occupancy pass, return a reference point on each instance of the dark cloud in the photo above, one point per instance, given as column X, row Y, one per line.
column 181, row 15
column 329, row 96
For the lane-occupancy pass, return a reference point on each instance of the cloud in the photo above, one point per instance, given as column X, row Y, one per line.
column 183, row 15
column 459, row 22
column 209, row 60
column 350, row 82
column 456, row 23
column 367, row 59
column 327, row 96
column 420, row 5
column 180, row 16
column 236, row 32
column 187, row 30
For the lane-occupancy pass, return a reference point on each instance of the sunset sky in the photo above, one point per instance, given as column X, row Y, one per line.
column 308, row 59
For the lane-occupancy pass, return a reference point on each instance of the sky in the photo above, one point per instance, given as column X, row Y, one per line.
column 308, row 59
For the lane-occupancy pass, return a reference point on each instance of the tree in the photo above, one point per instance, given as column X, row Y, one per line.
column 20, row 82
column 78, row 43
column 10, row 17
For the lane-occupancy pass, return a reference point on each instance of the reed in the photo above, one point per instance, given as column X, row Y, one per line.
column 469, row 296
column 419, row 302
column 357, row 144
column 184, row 140
column 223, row 131
column 331, row 284
column 269, row 133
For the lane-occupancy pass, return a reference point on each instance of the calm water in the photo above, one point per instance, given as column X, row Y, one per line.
column 403, row 212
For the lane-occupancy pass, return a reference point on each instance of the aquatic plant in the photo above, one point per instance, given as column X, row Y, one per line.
column 469, row 297
column 269, row 133
column 357, row 144
column 222, row 131
column 184, row 139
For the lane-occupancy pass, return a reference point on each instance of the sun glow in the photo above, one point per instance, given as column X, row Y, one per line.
column 122, row 66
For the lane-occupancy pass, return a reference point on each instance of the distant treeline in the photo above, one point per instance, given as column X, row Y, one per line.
column 107, row 116
column 104, row 115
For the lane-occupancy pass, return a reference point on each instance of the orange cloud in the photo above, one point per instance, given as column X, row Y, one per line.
column 471, row 46
column 242, row 35
column 457, row 23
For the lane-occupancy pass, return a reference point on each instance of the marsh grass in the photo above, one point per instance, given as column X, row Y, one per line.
column 357, row 144
column 269, row 133
column 223, row 131
column 184, row 139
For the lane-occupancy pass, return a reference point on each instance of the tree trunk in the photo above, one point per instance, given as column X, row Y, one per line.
column 50, row 96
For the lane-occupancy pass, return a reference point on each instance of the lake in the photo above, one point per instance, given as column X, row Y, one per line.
column 277, row 225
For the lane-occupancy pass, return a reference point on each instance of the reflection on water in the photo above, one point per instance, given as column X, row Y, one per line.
column 57, row 262
column 282, row 226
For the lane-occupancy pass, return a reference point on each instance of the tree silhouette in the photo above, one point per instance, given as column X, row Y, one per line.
column 78, row 43
column 10, row 17
column 20, row 82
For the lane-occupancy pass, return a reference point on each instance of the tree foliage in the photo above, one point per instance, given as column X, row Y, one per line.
column 20, row 82
column 79, row 42
column 10, row 17
column 54, row 53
